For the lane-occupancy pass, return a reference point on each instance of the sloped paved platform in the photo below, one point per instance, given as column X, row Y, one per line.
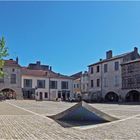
column 83, row 112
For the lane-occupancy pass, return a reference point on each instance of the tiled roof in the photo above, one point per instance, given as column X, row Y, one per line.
column 76, row 75
column 11, row 63
column 29, row 72
column 42, row 73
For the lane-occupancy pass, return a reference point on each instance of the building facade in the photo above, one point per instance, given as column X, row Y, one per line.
column 10, row 84
column 105, row 79
column 44, row 84
column 85, row 85
column 131, row 80
column 77, row 85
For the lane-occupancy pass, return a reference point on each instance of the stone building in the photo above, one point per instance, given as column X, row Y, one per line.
column 10, row 84
column 131, row 80
column 41, row 83
column 77, row 84
column 105, row 81
column 84, row 85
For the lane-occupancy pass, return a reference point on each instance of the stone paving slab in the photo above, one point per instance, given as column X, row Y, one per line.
column 16, row 123
column 34, row 127
column 51, row 108
column 6, row 109
column 126, row 130
column 43, row 107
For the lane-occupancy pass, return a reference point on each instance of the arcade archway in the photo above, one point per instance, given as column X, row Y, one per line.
column 111, row 97
column 8, row 93
column 133, row 96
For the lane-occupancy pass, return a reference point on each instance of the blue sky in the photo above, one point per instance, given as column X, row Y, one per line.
column 69, row 35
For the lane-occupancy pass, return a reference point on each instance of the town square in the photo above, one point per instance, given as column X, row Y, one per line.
column 69, row 70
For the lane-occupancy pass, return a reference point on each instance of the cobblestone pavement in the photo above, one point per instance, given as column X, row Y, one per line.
column 27, row 120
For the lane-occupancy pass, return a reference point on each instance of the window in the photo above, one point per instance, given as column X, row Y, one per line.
column 46, row 94
column 130, row 82
column 78, row 86
column 98, row 68
column 91, row 70
column 64, row 85
column 116, row 66
column 53, row 84
column 13, row 70
column 92, row 83
column 105, row 67
column 41, row 83
column 130, row 68
column 98, row 82
column 28, row 83
column 13, row 78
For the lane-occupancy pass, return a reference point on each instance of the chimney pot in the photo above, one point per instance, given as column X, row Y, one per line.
column 17, row 60
column 109, row 54
column 135, row 49
column 38, row 63
column 50, row 68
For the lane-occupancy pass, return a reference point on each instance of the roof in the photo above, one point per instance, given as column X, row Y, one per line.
column 113, row 58
column 132, row 61
column 29, row 72
column 43, row 73
column 76, row 75
column 11, row 63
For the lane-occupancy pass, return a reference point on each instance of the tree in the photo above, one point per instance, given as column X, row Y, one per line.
column 3, row 53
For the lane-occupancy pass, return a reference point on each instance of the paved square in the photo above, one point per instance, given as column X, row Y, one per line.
column 27, row 120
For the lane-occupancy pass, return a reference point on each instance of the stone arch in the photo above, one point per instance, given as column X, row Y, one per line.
column 132, row 96
column 8, row 93
column 111, row 97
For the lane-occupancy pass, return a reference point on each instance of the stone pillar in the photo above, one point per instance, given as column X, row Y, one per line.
column 19, row 94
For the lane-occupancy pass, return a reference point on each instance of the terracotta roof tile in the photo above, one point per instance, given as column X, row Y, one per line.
column 42, row 73
column 11, row 63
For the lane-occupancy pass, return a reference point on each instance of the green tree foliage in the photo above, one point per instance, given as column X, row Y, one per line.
column 3, row 53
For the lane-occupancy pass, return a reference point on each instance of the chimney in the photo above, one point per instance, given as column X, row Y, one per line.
column 38, row 63
column 109, row 54
column 50, row 68
column 135, row 49
column 17, row 60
